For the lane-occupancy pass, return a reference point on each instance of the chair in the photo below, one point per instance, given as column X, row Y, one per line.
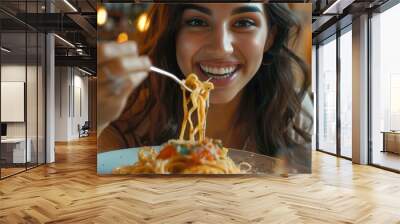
column 84, row 130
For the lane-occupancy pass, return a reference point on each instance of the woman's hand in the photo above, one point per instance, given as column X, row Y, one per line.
column 120, row 71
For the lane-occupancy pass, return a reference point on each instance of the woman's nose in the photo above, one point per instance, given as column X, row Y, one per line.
column 222, row 41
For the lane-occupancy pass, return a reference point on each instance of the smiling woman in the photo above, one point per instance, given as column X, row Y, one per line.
column 222, row 42
column 243, row 49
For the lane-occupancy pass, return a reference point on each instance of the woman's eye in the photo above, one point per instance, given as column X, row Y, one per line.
column 196, row 22
column 244, row 23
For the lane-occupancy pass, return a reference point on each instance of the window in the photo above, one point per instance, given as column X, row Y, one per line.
column 385, row 88
column 327, row 96
column 346, row 93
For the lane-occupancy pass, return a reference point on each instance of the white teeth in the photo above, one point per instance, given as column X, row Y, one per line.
column 218, row 70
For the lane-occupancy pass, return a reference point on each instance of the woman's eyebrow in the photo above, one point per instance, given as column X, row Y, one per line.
column 244, row 9
column 198, row 8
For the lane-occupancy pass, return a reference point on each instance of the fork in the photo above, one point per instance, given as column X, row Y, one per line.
column 180, row 82
column 170, row 75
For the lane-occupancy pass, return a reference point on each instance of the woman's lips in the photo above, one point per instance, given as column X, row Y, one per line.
column 221, row 73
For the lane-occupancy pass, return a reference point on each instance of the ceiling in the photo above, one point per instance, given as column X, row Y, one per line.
column 331, row 15
column 76, row 24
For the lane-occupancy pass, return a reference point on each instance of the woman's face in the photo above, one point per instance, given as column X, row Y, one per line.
column 224, row 42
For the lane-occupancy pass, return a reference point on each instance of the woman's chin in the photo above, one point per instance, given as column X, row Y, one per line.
column 221, row 98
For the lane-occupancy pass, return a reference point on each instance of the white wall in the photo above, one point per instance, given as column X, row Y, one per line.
column 71, row 94
column 16, row 73
column 61, row 103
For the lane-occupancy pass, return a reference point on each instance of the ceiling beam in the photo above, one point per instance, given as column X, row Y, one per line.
column 84, row 24
column 81, row 61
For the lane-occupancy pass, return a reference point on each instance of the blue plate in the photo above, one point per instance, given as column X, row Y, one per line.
column 107, row 161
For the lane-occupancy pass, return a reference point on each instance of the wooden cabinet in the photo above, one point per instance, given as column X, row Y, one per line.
column 391, row 141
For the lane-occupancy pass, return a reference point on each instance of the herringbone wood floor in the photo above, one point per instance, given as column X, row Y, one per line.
column 69, row 191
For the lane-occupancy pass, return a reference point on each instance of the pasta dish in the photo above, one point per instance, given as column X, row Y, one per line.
column 194, row 155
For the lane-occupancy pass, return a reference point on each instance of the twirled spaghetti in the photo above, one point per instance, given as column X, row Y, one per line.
column 198, row 154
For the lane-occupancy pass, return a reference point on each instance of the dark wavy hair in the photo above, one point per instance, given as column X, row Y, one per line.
column 272, row 100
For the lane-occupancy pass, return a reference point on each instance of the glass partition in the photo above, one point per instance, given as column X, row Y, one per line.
column 14, row 151
column 41, row 85
column 22, row 89
column 31, row 100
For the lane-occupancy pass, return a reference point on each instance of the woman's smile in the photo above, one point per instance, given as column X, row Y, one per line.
column 220, row 72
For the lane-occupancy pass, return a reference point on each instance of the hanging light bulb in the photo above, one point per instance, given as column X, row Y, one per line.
column 143, row 22
column 101, row 16
column 122, row 37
